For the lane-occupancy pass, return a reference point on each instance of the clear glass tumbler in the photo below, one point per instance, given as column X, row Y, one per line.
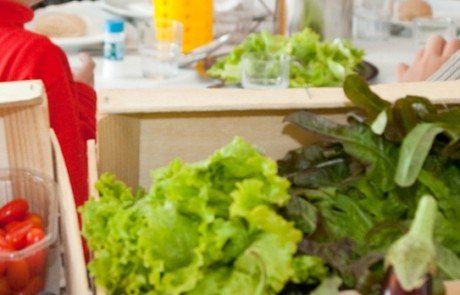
column 371, row 19
column 265, row 71
column 160, row 46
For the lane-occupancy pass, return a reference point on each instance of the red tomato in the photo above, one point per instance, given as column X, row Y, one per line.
column 36, row 285
column 4, row 287
column 17, row 233
column 14, row 210
column 3, row 265
column 18, row 274
column 5, row 246
column 37, row 262
column 8, row 227
column 36, row 219
column 34, row 235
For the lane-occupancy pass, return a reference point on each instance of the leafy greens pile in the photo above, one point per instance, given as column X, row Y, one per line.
column 210, row 227
column 313, row 62
column 356, row 192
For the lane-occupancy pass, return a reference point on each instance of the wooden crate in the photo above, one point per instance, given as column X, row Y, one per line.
column 27, row 142
column 140, row 130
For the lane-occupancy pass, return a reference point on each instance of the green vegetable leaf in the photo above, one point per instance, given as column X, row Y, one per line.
column 412, row 257
column 330, row 286
column 359, row 93
column 414, row 151
column 448, row 262
column 357, row 140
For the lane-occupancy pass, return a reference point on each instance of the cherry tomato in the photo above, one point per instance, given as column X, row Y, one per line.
column 4, row 287
column 5, row 246
column 17, row 234
column 37, row 262
column 34, row 235
column 36, row 219
column 8, row 227
column 18, row 274
column 36, row 285
column 14, row 210
column 3, row 265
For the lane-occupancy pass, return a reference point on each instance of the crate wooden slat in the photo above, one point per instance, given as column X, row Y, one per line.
column 75, row 268
column 28, row 145
column 124, row 101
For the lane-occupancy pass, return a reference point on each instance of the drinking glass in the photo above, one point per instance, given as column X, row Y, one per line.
column 265, row 71
column 160, row 46
column 371, row 19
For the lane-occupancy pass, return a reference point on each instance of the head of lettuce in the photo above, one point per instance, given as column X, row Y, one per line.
column 313, row 62
column 210, row 227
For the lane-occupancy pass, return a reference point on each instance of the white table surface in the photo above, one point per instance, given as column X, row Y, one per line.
column 384, row 55
column 387, row 54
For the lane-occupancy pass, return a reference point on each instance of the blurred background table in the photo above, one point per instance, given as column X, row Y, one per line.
column 384, row 55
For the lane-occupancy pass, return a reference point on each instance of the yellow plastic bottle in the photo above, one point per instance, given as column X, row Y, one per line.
column 196, row 17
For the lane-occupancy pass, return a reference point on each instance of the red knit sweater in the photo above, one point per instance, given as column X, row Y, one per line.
column 72, row 105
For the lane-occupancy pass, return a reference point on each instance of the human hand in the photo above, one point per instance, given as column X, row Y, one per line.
column 85, row 73
column 427, row 60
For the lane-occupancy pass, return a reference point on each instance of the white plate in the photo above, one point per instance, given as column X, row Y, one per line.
column 440, row 8
column 90, row 11
column 138, row 9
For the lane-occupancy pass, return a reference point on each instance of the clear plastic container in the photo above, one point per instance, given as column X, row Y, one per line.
column 25, row 270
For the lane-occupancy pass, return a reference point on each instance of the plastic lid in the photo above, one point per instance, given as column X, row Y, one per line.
column 114, row 25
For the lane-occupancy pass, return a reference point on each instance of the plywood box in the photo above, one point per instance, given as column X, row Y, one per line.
column 140, row 130
column 27, row 142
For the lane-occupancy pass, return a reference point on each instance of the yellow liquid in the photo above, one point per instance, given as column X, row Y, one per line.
column 196, row 17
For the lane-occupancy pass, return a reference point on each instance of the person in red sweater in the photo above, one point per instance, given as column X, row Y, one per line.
column 25, row 55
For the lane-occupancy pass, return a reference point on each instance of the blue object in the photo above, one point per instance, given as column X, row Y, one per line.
column 114, row 25
column 114, row 47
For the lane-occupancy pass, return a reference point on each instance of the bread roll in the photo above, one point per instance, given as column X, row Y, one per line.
column 410, row 9
column 61, row 25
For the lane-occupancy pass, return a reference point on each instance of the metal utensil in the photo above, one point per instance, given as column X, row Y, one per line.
column 201, row 52
column 188, row 59
column 212, row 46
column 195, row 55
